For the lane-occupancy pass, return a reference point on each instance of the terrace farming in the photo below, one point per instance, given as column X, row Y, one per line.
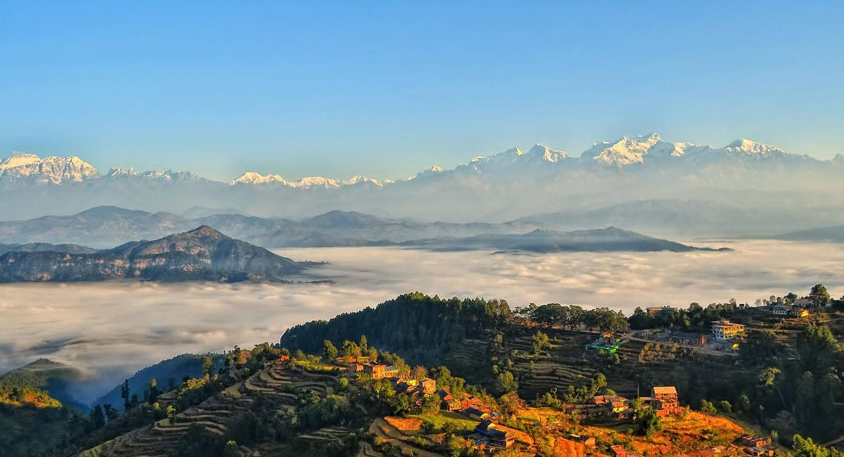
column 278, row 386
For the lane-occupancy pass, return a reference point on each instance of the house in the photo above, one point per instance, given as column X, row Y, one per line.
column 471, row 401
column 753, row 441
column 588, row 441
column 610, row 402
column 804, row 303
column 726, row 330
column 444, row 395
column 655, row 311
column 427, row 386
column 665, row 401
column 689, row 339
column 475, row 413
column 620, row 451
column 495, row 437
column 780, row 310
column 452, row 405
column 354, row 368
column 380, row 371
column 391, row 371
column 403, row 387
column 283, row 358
column 666, row 394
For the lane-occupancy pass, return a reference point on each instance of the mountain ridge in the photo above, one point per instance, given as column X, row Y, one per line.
column 201, row 254
column 29, row 168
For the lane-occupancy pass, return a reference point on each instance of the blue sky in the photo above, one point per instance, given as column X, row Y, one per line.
column 387, row 89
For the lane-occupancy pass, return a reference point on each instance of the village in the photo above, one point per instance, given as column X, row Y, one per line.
column 578, row 427
column 637, row 419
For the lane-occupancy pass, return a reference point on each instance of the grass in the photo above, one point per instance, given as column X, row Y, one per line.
column 317, row 367
column 456, row 421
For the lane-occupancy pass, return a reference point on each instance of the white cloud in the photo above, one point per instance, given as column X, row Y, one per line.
column 119, row 327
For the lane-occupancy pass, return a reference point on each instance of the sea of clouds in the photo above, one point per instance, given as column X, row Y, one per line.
column 113, row 329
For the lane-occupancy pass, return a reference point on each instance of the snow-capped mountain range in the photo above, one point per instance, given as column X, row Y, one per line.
column 643, row 150
column 505, row 186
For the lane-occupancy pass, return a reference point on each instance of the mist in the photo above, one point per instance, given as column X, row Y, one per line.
column 110, row 330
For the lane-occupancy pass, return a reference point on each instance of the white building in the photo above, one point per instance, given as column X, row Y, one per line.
column 726, row 330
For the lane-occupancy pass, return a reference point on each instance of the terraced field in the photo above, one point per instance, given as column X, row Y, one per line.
column 565, row 366
column 397, row 439
column 277, row 383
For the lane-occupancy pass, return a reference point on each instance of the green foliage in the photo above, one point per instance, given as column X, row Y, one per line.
column 230, row 449
column 761, row 347
column 329, row 350
column 323, row 412
column 198, row 441
column 97, row 417
column 805, row 447
column 819, row 295
column 573, row 316
column 647, row 423
column 420, row 327
column 586, row 389
column 505, row 383
column 430, row 404
column 28, row 431
column 27, row 395
column 706, row 406
column 539, row 342
column 694, row 318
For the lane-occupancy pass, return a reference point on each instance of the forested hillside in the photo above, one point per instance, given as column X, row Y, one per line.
column 421, row 328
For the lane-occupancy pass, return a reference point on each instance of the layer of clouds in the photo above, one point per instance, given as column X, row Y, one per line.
column 114, row 329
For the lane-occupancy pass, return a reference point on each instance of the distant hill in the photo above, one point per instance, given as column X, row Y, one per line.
column 57, row 379
column 168, row 373
column 109, row 225
column 546, row 241
column 833, row 234
column 46, row 247
column 202, row 254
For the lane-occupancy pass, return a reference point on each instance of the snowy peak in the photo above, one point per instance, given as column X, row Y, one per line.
column 360, row 180
column 546, row 154
column 625, row 151
column 19, row 159
column 315, row 181
column 439, row 169
column 22, row 167
column 122, row 173
column 257, row 179
column 170, row 175
column 745, row 146
column 251, row 177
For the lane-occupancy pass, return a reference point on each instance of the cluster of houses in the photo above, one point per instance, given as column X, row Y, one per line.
column 374, row 370
column 663, row 400
column 789, row 311
column 753, row 446
column 756, row 446
column 486, row 435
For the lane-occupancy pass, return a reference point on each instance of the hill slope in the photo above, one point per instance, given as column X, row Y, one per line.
column 202, row 254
